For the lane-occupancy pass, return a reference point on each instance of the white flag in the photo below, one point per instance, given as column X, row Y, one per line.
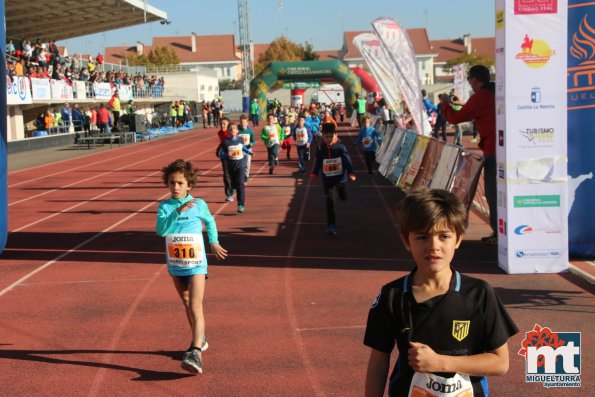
column 399, row 52
column 369, row 46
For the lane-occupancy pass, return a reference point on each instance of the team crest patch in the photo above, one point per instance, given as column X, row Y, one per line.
column 460, row 329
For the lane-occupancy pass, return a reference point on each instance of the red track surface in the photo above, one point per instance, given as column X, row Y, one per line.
column 87, row 307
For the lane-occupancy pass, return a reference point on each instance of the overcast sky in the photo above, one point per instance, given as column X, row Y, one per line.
column 318, row 21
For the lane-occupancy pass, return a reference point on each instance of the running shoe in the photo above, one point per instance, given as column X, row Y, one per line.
column 276, row 162
column 229, row 198
column 205, row 346
column 240, row 209
column 193, row 362
column 271, row 171
column 332, row 230
column 474, row 140
column 246, row 179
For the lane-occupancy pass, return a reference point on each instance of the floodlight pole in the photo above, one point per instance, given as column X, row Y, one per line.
column 244, row 25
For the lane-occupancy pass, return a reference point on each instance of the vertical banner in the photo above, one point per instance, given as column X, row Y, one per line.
column 369, row 46
column 3, row 162
column 531, row 45
column 581, row 129
column 399, row 51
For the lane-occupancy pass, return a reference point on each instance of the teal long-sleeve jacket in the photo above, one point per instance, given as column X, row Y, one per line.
column 187, row 222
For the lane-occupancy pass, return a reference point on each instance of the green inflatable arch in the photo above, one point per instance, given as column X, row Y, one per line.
column 304, row 71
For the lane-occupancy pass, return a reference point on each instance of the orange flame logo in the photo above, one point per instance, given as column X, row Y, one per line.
column 583, row 43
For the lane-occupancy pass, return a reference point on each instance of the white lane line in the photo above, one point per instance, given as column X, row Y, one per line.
column 90, row 178
column 64, row 211
column 72, row 250
column 107, row 358
column 117, row 280
column 331, row 328
column 87, row 241
column 291, row 312
column 82, row 166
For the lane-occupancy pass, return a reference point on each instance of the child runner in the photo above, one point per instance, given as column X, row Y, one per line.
column 288, row 127
column 335, row 162
column 247, row 135
column 272, row 134
column 303, row 139
column 179, row 220
column 223, row 134
column 368, row 137
column 451, row 330
column 232, row 151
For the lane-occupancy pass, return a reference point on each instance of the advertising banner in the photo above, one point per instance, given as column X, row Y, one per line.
column 80, row 89
column 429, row 164
column 581, row 129
column 531, row 44
column 41, row 89
column 466, row 176
column 18, row 91
column 125, row 92
column 415, row 159
column 61, row 90
column 391, row 156
column 371, row 50
column 102, row 90
column 403, row 158
column 398, row 49
column 445, row 168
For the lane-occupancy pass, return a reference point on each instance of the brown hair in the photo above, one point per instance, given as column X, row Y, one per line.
column 183, row 167
column 423, row 209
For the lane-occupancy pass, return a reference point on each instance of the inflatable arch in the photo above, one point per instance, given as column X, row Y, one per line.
column 304, row 71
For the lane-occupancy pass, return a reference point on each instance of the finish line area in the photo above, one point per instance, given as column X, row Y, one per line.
column 85, row 296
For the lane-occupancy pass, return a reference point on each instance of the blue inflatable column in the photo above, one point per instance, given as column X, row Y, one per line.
column 581, row 129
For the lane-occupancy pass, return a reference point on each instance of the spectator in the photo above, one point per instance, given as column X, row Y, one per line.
column 77, row 118
column 49, row 120
column 10, row 49
column 99, row 60
column 66, row 115
column 114, row 104
column 102, row 118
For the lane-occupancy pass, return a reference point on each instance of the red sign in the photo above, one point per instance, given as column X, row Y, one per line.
column 525, row 7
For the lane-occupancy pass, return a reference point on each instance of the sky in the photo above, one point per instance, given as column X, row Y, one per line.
column 320, row 22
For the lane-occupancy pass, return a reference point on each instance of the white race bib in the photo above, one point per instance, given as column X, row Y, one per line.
column 273, row 135
column 367, row 142
column 332, row 167
column 301, row 135
column 184, row 250
column 246, row 138
column 235, row 152
column 430, row 385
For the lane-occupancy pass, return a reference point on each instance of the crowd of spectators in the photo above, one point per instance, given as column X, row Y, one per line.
column 43, row 60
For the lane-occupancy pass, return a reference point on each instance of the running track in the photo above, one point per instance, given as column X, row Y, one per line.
column 87, row 307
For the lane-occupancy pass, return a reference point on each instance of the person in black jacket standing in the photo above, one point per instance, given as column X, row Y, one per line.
column 334, row 160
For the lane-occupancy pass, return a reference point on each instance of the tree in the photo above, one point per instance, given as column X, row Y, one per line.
column 282, row 49
column 309, row 54
column 159, row 55
column 468, row 60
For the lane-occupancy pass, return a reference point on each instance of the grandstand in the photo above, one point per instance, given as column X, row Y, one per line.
column 44, row 22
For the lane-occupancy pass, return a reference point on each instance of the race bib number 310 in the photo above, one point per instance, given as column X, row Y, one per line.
column 184, row 250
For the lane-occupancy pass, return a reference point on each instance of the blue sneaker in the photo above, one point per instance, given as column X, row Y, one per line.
column 229, row 198
column 332, row 230
column 240, row 208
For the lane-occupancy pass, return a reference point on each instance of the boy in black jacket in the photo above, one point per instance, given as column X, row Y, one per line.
column 334, row 160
